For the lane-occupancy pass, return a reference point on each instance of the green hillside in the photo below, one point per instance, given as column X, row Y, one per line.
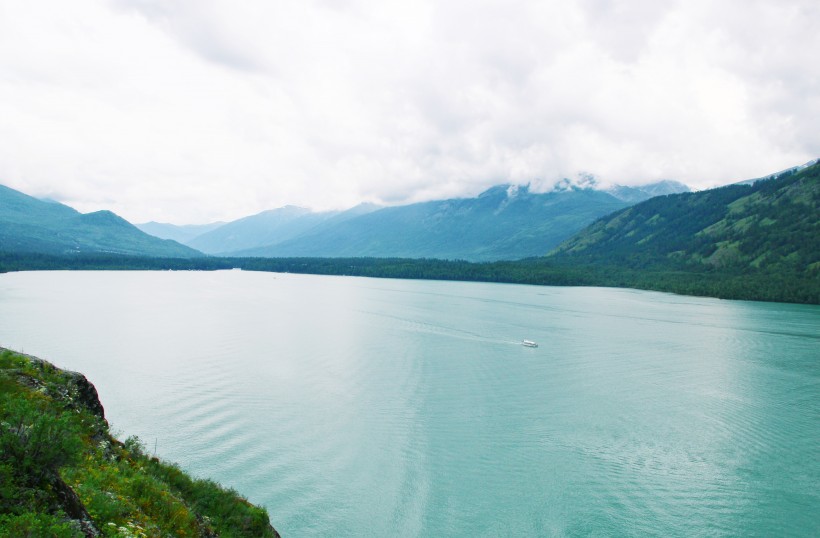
column 31, row 225
column 770, row 226
column 63, row 475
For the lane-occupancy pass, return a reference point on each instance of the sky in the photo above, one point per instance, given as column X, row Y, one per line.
column 193, row 111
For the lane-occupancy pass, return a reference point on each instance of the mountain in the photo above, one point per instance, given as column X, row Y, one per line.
column 31, row 225
column 791, row 170
column 260, row 229
column 178, row 233
column 768, row 225
column 633, row 195
column 269, row 227
column 504, row 222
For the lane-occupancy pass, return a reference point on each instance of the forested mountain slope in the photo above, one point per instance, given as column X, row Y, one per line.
column 772, row 225
column 31, row 225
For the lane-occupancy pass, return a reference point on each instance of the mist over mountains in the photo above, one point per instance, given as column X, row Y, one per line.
column 504, row 222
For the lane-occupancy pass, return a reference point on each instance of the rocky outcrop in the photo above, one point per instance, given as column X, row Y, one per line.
column 74, row 390
column 84, row 393
column 73, row 507
column 71, row 394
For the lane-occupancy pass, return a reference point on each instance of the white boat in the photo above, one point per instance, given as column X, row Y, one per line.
column 529, row 343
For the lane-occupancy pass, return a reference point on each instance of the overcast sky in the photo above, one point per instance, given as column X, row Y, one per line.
column 191, row 111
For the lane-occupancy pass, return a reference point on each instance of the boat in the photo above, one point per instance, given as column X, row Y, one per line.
column 529, row 343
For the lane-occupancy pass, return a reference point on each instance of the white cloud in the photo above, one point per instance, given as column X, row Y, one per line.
column 189, row 111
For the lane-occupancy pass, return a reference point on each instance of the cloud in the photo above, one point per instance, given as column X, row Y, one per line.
column 189, row 111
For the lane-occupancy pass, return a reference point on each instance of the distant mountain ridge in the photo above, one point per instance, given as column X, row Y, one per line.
column 269, row 227
column 29, row 225
column 503, row 222
column 756, row 240
column 639, row 194
column 178, row 233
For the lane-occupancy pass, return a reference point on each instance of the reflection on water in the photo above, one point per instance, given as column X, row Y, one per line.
column 370, row 407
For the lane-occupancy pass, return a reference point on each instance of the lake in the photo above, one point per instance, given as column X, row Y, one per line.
column 368, row 407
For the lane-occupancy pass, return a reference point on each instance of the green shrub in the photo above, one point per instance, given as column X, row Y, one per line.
column 37, row 442
column 35, row 525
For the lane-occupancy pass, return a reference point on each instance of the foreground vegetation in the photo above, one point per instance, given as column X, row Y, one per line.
column 755, row 284
column 63, row 475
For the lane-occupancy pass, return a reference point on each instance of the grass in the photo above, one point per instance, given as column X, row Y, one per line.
column 63, row 473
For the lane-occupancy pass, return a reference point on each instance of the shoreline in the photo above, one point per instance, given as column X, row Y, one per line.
column 755, row 286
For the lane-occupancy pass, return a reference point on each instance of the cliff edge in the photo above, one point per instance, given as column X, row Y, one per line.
column 63, row 474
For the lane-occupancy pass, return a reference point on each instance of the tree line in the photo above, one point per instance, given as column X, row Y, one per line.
column 726, row 282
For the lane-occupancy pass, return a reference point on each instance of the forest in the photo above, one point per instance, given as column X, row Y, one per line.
column 780, row 285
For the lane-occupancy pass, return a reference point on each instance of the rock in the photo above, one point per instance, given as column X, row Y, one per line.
column 86, row 393
column 76, row 390
column 73, row 507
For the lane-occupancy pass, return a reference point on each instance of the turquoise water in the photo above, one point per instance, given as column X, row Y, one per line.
column 365, row 407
